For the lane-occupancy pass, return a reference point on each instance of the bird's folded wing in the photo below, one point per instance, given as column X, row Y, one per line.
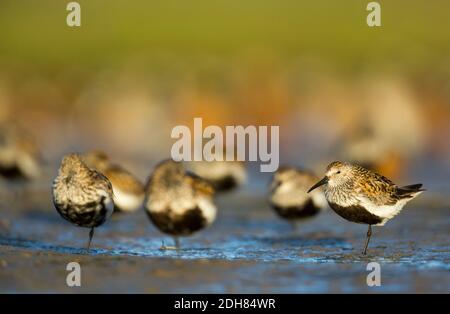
column 377, row 189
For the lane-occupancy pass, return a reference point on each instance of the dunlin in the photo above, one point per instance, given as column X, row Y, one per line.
column 289, row 197
column 128, row 190
column 179, row 203
column 19, row 154
column 362, row 196
column 223, row 175
column 81, row 195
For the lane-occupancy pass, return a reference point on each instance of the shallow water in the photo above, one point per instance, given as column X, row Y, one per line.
column 248, row 249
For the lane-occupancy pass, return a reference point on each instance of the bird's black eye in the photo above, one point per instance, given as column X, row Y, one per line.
column 338, row 172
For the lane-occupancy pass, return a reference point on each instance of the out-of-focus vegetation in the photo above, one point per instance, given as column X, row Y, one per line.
column 413, row 33
column 137, row 68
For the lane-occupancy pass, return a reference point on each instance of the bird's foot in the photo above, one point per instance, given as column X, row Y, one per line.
column 164, row 248
column 168, row 247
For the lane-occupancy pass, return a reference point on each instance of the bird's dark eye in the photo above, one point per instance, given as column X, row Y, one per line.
column 338, row 172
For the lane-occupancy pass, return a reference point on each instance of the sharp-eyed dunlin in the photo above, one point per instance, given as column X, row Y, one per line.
column 81, row 195
column 179, row 203
column 19, row 154
column 128, row 190
column 289, row 197
column 223, row 175
column 362, row 196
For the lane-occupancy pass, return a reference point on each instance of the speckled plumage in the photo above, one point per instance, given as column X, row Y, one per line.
column 288, row 194
column 362, row 187
column 81, row 195
column 362, row 196
column 223, row 175
column 179, row 203
column 128, row 190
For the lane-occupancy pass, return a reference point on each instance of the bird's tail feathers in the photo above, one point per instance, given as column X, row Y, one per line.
column 410, row 191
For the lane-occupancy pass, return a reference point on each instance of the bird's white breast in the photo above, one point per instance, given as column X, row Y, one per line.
column 127, row 201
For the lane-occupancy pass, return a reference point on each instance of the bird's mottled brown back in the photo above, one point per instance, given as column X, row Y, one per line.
column 81, row 195
column 377, row 188
column 178, row 202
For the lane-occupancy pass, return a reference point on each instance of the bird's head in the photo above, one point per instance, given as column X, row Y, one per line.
column 283, row 175
column 72, row 165
column 338, row 173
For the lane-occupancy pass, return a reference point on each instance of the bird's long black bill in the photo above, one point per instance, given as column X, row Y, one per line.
column 320, row 183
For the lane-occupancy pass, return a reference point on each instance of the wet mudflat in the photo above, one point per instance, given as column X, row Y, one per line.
column 247, row 250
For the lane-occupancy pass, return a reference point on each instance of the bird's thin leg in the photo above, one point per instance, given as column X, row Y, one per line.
column 177, row 242
column 175, row 247
column 369, row 233
column 91, row 235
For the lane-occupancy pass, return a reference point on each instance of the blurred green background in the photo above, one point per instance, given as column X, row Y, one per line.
column 414, row 34
column 135, row 69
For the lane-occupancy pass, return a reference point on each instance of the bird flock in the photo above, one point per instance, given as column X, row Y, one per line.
column 179, row 202
column 179, row 197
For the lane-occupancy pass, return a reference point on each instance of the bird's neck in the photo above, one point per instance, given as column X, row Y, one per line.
column 339, row 194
